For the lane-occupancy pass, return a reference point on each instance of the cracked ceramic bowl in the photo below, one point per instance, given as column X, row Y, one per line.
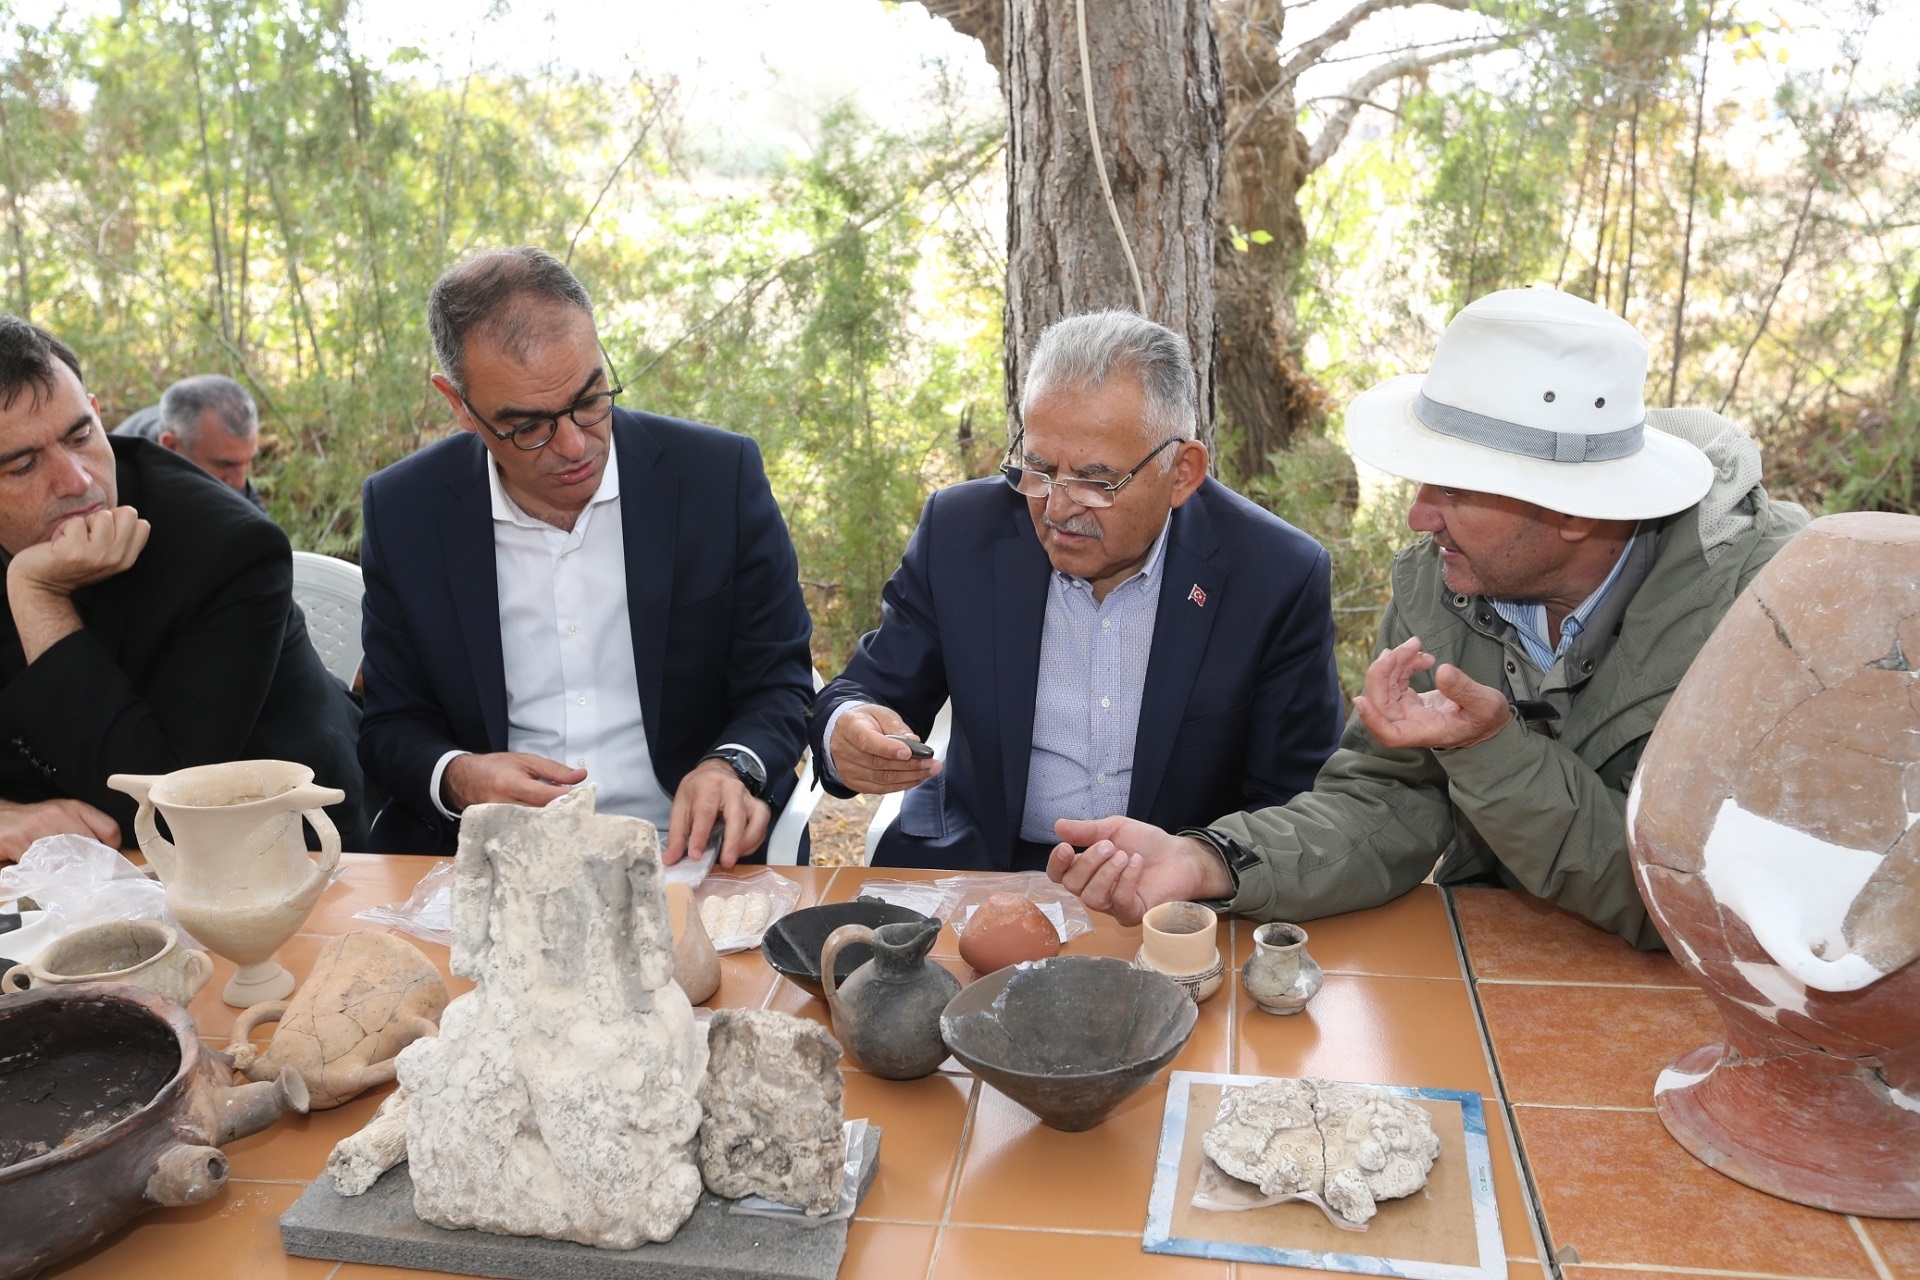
column 793, row 943
column 1070, row 1038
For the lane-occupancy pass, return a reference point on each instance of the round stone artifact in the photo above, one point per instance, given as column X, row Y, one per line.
column 1774, row 825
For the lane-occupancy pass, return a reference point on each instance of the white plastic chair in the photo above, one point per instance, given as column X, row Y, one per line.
column 783, row 845
column 329, row 591
column 889, row 808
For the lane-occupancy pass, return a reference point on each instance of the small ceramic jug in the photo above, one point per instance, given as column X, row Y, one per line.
column 1178, row 939
column 237, row 870
column 1280, row 975
column 888, row 1013
column 142, row 953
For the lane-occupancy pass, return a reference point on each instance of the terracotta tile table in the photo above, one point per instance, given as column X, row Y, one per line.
column 1580, row 1026
column 971, row 1185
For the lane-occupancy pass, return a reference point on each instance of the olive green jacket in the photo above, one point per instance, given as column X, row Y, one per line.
column 1541, row 812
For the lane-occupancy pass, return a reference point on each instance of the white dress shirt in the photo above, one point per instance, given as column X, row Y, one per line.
column 566, row 641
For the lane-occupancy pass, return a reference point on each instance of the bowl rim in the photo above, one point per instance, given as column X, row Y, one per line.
column 996, row 981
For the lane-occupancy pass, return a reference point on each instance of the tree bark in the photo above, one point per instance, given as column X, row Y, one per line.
column 1156, row 99
column 1266, row 397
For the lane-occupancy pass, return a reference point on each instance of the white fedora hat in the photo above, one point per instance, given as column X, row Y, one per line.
column 1534, row 394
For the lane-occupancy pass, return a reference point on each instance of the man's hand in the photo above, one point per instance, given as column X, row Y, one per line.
column 712, row 794
column 82, row 551
column 22, row 824
column 1127, row 866
column 866, row 759
column 1458, row 712
column 506, row 777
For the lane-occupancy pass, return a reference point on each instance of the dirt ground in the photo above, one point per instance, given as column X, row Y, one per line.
column 839, row 830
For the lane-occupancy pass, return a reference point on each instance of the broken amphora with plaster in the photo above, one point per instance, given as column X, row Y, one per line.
column 1774, row 825
column 775, row 1121
column 369, row 996
column 561, row 1097
column 1344, row 1146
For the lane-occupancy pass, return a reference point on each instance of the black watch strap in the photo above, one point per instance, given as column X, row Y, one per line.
column 752, row 774
column 1237, row 856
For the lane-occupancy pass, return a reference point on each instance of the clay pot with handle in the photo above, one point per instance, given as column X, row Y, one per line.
column 888, row 1013
column 237, row 871
column 144, row 953
column 137, row 1121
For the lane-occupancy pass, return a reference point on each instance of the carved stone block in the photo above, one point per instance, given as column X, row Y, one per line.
column 561, row 1098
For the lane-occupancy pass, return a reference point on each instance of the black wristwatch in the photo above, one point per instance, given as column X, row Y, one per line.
column 745, row 765
column 1237, row 856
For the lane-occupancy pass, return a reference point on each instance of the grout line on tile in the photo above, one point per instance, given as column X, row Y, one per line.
column 1565, row 983
column 1873, row 1250
column 953, row 1180
column 1582, row 1106
column 1529, row 1189
column 1049, row 1231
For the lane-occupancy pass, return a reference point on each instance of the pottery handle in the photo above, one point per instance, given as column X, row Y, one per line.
column 15, row 980
column 146, row 832
column 202, row 970
column 845, row 936
column 329, row 834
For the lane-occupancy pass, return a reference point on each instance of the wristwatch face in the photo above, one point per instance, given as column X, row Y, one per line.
column 745, row 768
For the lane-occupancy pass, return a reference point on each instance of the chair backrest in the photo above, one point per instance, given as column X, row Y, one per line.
column 328, row 591
column 783, row 845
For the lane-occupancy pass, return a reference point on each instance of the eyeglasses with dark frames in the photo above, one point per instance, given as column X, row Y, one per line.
column 1080, row 490
column 537, row 433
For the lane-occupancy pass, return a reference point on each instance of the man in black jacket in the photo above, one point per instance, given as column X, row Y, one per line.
column 149, row 620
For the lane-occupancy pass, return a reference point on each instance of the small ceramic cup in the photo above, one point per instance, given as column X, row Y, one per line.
column 142, row 953
column 1280, row 975
column 1178, row 939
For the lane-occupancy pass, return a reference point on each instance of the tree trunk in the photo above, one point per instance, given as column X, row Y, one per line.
column 1266, row 397
column 1156, row 98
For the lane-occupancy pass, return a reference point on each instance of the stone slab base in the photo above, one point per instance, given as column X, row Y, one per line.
column 380, row 1228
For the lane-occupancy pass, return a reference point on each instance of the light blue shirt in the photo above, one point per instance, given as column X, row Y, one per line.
column 1086, row 706
column 1529, row 617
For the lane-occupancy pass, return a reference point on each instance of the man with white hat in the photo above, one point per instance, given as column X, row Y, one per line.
column 1580, row 548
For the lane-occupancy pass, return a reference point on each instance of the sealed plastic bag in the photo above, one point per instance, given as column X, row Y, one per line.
column 736, row 910
column 77, row 881
column 427, row 912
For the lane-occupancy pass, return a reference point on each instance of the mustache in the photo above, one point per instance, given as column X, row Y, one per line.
column 1083, row 525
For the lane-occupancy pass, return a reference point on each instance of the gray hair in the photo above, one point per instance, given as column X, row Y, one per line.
column 492, row 289
column 187, row 401
column 1081, row 352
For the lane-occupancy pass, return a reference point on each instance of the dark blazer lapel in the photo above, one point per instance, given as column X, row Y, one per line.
column 649, row 514
column 1181, row 627
column 466, row 547
column 1020, row 585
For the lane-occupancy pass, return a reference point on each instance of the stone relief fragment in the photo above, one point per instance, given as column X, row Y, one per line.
column 1346, row 1145
column 774, row 1110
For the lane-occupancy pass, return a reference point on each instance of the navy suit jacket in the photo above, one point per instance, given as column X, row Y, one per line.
column 720, row 630
column 1241, row 706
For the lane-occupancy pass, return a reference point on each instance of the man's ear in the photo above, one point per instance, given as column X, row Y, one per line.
column 459, row 406
column 1189, row 469
column 169, row 441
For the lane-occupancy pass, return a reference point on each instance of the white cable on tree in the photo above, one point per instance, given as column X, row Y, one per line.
column 1099, row 162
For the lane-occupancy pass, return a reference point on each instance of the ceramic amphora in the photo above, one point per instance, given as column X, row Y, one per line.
column 237, row 871
column 888, row 1013
column 144, row 953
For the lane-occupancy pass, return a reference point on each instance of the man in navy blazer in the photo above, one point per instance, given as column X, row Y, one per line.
column 568, row 591
column 1137, row 640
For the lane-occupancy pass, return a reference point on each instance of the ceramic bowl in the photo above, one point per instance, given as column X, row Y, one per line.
column 793, row 943
column 1069, row 1038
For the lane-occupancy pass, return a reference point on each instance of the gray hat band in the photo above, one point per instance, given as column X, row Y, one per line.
column 1527, row 442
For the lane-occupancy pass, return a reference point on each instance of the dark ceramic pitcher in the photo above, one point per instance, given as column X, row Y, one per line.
column 888, row 1013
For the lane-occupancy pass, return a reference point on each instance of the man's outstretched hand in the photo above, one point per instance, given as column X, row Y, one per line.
column 1124, row 866
column 1458, row 712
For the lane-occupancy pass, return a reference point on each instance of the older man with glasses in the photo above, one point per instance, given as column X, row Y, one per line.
column 1117, row 632
column 568, row 591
